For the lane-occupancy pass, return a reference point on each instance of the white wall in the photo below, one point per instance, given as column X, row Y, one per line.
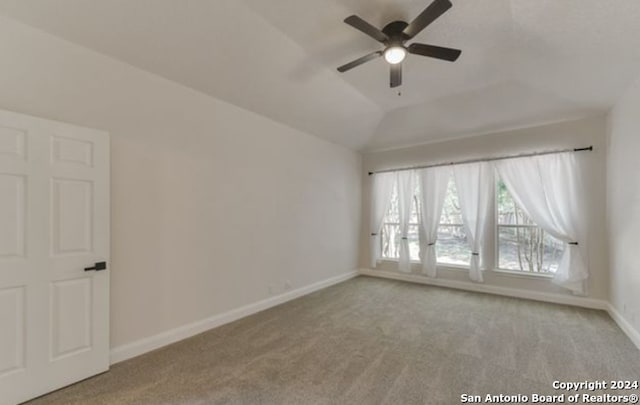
column 571, row 134
column 623, row 205
column 211, row 204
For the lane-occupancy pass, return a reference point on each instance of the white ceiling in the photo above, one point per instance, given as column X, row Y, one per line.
column 524, row 62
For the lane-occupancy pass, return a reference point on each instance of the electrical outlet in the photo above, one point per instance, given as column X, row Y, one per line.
column 287, row 285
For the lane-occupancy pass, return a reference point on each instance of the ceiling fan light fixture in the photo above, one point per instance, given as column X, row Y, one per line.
column 395, row 54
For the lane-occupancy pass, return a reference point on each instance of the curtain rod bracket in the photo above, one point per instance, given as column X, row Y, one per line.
column 590, row 148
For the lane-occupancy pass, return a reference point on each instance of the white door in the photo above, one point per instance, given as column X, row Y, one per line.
column 54, row 223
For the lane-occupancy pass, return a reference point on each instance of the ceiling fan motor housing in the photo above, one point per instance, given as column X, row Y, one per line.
column 395, row 31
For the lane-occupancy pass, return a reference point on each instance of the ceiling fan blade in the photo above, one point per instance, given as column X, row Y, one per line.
column 396, row 75
column 361, row 25
column 359, row 61
column 433, row 51
column 428, row 15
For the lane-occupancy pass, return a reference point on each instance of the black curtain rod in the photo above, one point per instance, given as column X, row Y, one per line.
column 490, row 159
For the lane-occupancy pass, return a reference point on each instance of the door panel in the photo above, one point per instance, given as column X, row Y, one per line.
column 12, row 216
column 72, row 212
column 71, row 317
column 54, row 223
column 71, row 151
column 12, row 142
column 12, row 316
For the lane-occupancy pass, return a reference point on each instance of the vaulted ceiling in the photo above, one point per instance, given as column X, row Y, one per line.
column 524, row 62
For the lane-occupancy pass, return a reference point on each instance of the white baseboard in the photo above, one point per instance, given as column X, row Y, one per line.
column 150, row 343
column 491, row 289
column 626, row 327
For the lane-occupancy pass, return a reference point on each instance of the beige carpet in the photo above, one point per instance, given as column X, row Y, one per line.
column 373, row 341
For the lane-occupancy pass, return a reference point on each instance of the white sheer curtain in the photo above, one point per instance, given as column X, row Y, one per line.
column 433, row 190
column 549, row 189
column 381, row 190
column 406, row 192
column 475, row 184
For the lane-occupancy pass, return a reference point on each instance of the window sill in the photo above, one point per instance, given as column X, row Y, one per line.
column 499, row 272
column 444, row 266
column 522, row 274
column 397, row 260
column 455, row 267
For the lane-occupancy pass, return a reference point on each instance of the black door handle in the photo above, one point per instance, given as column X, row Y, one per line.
column 97, row 267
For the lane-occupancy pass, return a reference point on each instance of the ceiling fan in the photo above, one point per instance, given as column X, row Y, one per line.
column 394, row 36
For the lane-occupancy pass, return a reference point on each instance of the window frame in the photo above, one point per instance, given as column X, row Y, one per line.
column 493, row 267
column 395, row 259
column 416, row 203
column 496, row 241
column 451, row 265
column 445, row 265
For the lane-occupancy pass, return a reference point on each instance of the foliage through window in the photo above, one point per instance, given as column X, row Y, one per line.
column 452, row 246
column 522, row 245
column 390, row 235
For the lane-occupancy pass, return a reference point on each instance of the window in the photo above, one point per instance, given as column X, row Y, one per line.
column 452, row 246
column 521, row 244
column 390, row 235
